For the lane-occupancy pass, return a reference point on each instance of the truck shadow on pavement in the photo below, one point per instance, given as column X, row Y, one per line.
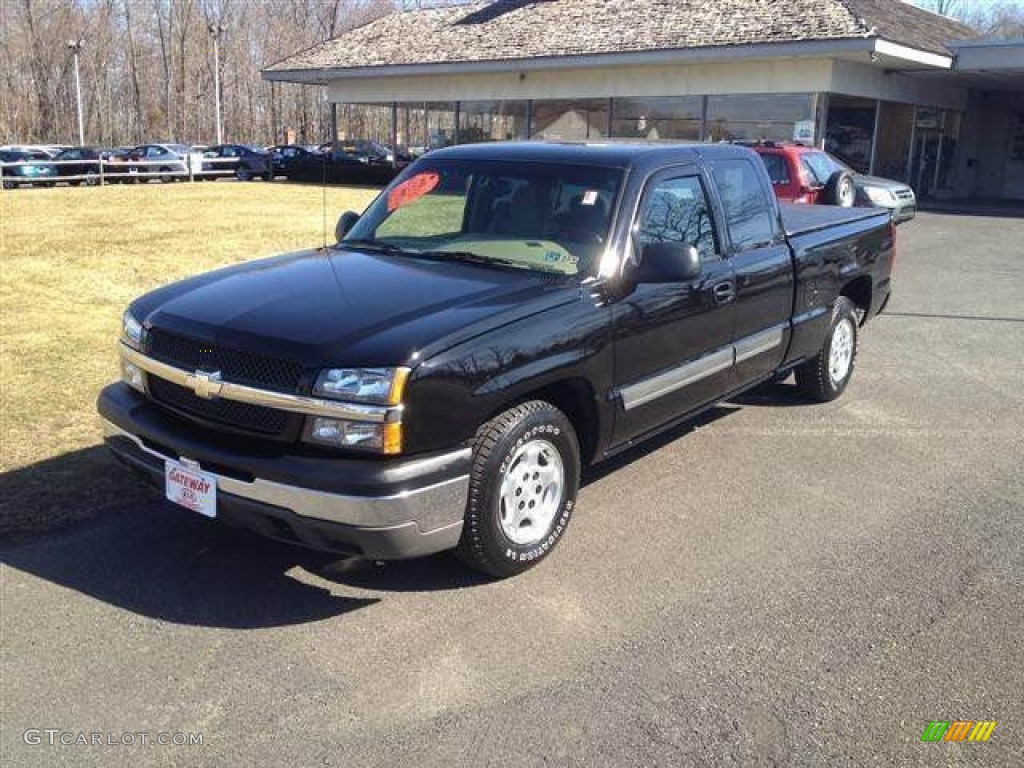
column 123, row 544
column 144, row 555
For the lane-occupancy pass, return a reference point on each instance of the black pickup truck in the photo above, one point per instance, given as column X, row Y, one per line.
column 499, row 317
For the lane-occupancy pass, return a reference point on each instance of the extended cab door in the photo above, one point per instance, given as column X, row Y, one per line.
column 672, row 340
column 762, row 263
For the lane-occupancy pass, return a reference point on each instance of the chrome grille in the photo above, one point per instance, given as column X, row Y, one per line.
column 254, row 418
column 238, row 366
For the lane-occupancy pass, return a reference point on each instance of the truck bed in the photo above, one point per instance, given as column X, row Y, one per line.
column 804, row 219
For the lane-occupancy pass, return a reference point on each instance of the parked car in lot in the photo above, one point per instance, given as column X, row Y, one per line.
column 170, row 161
column 802, row 174
column 31, row 167
column 365, row 151
column 49, row 150
column 285, row 156
column 501, row 316
column 90, row 158
column 244, row 161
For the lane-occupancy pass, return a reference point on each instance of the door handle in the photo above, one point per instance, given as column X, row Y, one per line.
column 724, row 292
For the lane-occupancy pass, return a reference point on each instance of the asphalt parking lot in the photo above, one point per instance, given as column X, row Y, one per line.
column 782, row 584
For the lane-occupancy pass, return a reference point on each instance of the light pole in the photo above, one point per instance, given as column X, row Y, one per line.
column 75, row 46
column 216, row 30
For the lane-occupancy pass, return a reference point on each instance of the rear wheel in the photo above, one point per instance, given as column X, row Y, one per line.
column 8, row 184
column 523, row 485
column 91, row 178
column 825, row 376
column 242, row 174
column 165, row 176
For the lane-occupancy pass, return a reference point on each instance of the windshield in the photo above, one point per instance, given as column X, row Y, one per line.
column 821, row 166
column 544, row 218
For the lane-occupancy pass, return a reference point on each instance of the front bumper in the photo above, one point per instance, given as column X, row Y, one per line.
column 379, row 509
column 904, row 211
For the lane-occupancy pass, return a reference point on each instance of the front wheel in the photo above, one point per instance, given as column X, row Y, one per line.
column 522, row 490
column 824, row 377
column 242, row 174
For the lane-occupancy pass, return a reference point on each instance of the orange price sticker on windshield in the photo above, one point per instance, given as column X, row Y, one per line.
column 412, row 189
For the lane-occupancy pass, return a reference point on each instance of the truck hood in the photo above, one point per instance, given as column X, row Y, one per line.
column 340, row 307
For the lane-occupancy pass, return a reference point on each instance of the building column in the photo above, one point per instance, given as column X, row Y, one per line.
column 874, row 135
column 910, row 152
column 822, row 124
column 394, row 134
column 703, row 136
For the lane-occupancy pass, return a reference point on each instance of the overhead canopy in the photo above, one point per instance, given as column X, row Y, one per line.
column 990, row 64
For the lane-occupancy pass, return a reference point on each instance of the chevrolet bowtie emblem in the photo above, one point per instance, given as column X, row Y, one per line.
column 206, row 385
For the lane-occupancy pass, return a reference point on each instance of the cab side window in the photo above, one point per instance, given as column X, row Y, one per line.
column 676, row 210
column 747, row 210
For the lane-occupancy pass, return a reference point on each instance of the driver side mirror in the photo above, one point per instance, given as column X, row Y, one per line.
column 668, row 262
column 346, row 221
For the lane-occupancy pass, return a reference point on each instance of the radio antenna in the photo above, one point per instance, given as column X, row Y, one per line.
column 323, row 189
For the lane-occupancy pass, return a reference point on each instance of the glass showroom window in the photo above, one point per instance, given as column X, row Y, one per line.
column 492, row 121
column 366, row 122
column 849, row 130
column 772, row 117
column 412, row 128
column 570, row 119
column 662, row 118
column 440, row 123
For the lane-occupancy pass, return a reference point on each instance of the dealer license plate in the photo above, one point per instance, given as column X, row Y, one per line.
column 191, row 488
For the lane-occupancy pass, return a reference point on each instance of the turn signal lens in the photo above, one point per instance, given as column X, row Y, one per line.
column 383, row 438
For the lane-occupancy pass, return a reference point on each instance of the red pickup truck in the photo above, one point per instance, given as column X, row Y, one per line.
column 802, row 174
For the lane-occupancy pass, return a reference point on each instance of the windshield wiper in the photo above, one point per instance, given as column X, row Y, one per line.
column 371, row 245
column 486, row 261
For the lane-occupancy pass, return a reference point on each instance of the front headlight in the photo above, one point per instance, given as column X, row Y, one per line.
column 880, row 196
column 131, row 331
column 380, row 386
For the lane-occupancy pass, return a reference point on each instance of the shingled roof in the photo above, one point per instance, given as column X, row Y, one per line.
column 525, row 29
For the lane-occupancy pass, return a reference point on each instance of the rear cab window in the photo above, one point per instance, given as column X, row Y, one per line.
column 748, row 211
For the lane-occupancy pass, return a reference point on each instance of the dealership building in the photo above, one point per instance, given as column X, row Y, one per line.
column 892, row 89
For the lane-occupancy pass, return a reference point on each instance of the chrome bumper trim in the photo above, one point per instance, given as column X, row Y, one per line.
column 431, row 507
column 310, row 406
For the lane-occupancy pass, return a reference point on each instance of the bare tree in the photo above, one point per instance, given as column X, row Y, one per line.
column 147, row 68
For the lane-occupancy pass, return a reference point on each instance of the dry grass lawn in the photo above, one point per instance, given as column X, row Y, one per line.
column 71, row 259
